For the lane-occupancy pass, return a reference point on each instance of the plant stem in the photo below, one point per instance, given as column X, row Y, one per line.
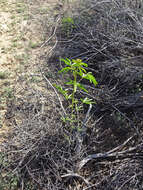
column 73, row 93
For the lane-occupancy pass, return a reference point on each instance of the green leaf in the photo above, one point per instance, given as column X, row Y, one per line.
column 91, row 78
column 70, row 82
column 63, row 92
column 69, row 97
column 80, row 73
column 67, row 20
column 83, row 70
column 81, row 87
column 84, row 64
column 65, row 70
column 76, row 65
column 79, row 62
column 66, row 61
column 76, row 60
column 87, row 101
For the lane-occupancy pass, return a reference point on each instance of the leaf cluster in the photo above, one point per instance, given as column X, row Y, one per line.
column 78, row 70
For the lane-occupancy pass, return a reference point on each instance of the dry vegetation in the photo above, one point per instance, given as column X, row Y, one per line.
column 105, row 151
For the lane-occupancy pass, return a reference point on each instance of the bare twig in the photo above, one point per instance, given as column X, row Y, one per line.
column 55, row 93
column 82, row 133
column 54, row 33
column 116, row 155
column 76, row 175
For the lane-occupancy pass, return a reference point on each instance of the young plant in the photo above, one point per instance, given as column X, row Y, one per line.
column 78, row 70
column 67, row 25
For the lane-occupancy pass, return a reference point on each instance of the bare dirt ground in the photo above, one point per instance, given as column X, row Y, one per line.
column 24, row 26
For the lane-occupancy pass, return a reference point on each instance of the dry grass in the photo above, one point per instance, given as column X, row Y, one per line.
column 53, row 155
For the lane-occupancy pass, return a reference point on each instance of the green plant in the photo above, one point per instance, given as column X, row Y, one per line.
column 33, row 44
column 20, row 9
column 8, row 92
column 10, row 181
column 78, row 70
column 35, row 79
column 68, row 20
column 3, row 75
column 22, row 58
column 67, row 25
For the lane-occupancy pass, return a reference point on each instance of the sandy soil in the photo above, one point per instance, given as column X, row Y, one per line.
column 23, row 28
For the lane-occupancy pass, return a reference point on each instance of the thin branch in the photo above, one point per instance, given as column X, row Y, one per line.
column 54, row 33
column 107, row 155
column 55, row 93
column 76, row 175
